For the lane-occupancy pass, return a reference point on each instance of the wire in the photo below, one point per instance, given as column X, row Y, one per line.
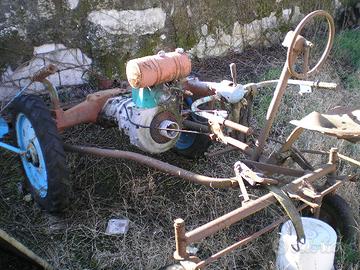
column 158, row 128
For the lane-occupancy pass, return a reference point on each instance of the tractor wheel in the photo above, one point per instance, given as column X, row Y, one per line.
column 192, row 145
column 337, row 213
column 44, row 161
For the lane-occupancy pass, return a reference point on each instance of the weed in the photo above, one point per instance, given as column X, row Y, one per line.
column 352, row 81
column 346, row 47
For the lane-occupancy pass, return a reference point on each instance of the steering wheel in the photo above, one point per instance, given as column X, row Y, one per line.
column 291, row 52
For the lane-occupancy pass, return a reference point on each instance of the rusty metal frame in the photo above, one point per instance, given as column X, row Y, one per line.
column 183, row 238
column 299, row 188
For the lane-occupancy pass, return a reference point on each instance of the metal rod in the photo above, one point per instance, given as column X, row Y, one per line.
column 294, row 82
column 241, row 128
column 230, row 218
column 11, row 148
column 240, row 145
column 156, row 164
column 245, row 240
column 349, row 159
column 221, row 151
column 24, row 251
column 341, row 156
column 54, row 96
column 180, row 240
column 274, row 168
column 272, row 111
column 195, row 126
column 17, row 95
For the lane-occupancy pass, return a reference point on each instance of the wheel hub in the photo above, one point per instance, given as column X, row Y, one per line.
column 31, row 155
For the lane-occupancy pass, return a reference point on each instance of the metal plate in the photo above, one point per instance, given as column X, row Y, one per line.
column 341, row 122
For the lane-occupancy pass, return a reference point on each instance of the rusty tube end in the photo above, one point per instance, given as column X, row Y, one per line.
column 179, row 222
column 180, row 240
column 333, row 155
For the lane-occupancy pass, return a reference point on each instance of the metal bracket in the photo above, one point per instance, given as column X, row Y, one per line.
column 216, row 129
column 291, row 211
column 252, row 177
column 242, row 186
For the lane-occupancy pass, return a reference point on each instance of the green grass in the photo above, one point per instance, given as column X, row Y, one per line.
column 347, row 255
column 265, row 95
column 352, row 81
column 347, row 52
column 346, row 47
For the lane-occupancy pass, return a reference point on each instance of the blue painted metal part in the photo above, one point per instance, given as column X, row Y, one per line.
column 4, row 127
column 33, row 160
column 11, row 148
column 143, row 98
column 186, row 140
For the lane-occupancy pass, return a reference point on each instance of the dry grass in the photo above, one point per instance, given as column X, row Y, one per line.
column 108, row 188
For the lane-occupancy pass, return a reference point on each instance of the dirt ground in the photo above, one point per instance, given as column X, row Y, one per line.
column 108, row 188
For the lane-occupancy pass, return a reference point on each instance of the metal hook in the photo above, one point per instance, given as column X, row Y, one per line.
column 302, row 241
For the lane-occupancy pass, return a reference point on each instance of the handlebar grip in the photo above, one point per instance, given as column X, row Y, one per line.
column 243, row 129
column 44, row 72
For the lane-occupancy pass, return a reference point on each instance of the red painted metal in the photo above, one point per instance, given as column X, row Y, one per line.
column 163, row 67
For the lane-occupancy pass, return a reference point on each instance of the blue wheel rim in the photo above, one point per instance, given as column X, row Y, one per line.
column 185, row 141
column 33, row 161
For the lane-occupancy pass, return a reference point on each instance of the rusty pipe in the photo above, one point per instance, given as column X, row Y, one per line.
column 230, row 218
column 87, row 111
column 197, row 88
column 195, row 126
column 156, row 164
column 43, row 73
column 241, row 128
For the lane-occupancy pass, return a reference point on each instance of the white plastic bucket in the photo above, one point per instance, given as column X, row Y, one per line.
column 316, row 254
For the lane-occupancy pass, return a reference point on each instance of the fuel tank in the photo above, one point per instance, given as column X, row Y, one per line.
column 156, row 69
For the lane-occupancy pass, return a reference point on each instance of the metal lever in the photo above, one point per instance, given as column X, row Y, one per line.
column 233, row 73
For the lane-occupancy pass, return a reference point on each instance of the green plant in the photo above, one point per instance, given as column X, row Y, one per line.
column 352, row 81
column 347, row 256
column 346, row 47
column 264, row 96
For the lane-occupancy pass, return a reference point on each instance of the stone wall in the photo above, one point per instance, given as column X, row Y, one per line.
column 107, row 33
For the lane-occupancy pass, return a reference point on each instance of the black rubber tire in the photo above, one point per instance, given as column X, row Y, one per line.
column 57, row 197
column 197, row 149
column 336, row 212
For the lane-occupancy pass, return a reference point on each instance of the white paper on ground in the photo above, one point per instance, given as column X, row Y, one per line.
column 117, row 226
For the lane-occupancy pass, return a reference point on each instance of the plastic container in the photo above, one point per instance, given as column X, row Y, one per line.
column 318, row 251
column 153, row 70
